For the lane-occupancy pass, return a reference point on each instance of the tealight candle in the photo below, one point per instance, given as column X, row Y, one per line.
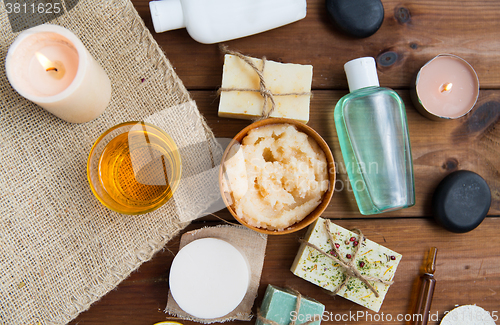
column 50, row 66
column 446, row 87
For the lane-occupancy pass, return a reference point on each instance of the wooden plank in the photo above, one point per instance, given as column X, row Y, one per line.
column 412, row 33
column 438, row 148
column 468, row 272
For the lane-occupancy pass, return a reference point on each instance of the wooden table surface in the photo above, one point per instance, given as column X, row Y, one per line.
column 413, row 32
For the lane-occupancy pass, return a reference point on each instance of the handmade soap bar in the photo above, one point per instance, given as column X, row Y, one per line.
column 372, row 261
column 279, row 305
column 239, row 78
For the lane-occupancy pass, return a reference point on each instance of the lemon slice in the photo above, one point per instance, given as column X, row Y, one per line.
column 167, row 322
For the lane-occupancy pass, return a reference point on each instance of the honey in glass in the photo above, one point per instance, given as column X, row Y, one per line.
column 138, row 168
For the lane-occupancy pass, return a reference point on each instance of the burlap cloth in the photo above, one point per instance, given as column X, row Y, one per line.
column 253, row 246
column 60, row 249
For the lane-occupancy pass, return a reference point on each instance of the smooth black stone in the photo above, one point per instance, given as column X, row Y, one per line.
column 358, row 18
column 461, row 201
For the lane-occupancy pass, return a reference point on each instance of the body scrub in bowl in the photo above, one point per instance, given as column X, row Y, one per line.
column 277, row 176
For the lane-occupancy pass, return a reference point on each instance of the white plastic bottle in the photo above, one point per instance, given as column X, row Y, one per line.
column 213, row 21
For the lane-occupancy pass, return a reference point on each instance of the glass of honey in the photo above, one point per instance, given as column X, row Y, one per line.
column 134, row 168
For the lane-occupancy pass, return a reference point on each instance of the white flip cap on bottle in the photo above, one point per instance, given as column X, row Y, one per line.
column 361, row 73
column 167, row 15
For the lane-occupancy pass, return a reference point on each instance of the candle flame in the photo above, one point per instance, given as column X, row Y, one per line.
column 45, row 62
column 446, row 87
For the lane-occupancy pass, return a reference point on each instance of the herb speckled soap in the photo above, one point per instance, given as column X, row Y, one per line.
column 278, row 305
column 372, row 260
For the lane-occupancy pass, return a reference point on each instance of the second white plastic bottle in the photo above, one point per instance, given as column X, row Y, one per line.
column 213, row 21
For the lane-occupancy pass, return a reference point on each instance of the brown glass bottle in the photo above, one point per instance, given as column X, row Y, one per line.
column 427, row 284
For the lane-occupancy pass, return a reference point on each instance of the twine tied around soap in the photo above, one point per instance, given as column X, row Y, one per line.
column 349, row 266
column 264, row 91
column 266, row 321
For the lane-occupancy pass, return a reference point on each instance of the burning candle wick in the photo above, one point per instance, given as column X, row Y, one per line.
column 54, row 68
column 46, row 63
column 446, row 88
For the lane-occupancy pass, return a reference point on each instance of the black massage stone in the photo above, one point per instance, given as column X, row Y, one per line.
column 358, row 18
column 461, row 201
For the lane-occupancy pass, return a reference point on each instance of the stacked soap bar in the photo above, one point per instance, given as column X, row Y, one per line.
column 279, row 305
column 238, row 77
column 372, row 260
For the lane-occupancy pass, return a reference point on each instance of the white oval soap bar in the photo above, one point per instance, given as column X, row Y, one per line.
column 209, row 278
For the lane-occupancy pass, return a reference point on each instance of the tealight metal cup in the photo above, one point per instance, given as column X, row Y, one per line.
column 416, row 97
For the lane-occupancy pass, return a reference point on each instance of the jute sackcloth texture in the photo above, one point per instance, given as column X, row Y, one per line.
column 253, row 246
column 60, row 249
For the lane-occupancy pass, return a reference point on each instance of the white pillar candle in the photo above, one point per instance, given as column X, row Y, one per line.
column 209, row 278
column 49, row 65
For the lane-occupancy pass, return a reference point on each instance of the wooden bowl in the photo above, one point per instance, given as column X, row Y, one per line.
column 310, row 218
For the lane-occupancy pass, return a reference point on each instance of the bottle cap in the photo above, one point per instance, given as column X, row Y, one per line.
column 166, row 15
column 361, row 73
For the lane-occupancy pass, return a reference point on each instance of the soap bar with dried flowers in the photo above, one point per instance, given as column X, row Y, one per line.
column 357, row 269
column 240, row 93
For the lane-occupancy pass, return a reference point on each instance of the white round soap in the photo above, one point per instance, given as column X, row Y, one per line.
column 468, row 315
column 209, row 278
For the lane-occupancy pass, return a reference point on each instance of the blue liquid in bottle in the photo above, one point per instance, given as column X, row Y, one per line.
column 373, row 134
